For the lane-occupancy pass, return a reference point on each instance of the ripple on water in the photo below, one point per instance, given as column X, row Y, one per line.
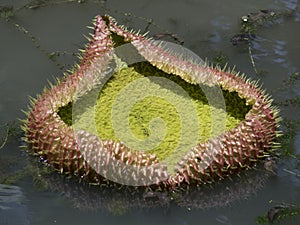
column 12, row 211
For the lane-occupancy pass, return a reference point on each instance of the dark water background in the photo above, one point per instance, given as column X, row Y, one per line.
column 206, row 28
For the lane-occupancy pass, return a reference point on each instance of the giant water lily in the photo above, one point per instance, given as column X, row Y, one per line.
column 136, row 112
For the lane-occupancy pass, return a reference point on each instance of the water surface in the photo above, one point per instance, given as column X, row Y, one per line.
column 206, row 28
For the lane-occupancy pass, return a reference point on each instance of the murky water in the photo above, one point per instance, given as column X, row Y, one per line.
column 206, row 28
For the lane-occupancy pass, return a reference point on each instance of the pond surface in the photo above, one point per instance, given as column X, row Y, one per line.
column 41, row 41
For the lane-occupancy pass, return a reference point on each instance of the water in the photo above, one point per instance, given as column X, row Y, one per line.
column 206, row 28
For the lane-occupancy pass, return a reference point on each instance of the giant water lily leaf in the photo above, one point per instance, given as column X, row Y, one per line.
column 141, row 112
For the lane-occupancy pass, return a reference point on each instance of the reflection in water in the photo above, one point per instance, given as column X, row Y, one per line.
column 120, row 200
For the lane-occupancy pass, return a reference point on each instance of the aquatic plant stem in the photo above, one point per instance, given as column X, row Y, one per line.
column 251, row 58
column 291, row 172
column 5, row 138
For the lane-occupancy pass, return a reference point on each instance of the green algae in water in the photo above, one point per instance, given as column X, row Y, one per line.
column 154, row 113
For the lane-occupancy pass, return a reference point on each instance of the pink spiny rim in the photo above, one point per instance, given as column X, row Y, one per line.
column 53, row 140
